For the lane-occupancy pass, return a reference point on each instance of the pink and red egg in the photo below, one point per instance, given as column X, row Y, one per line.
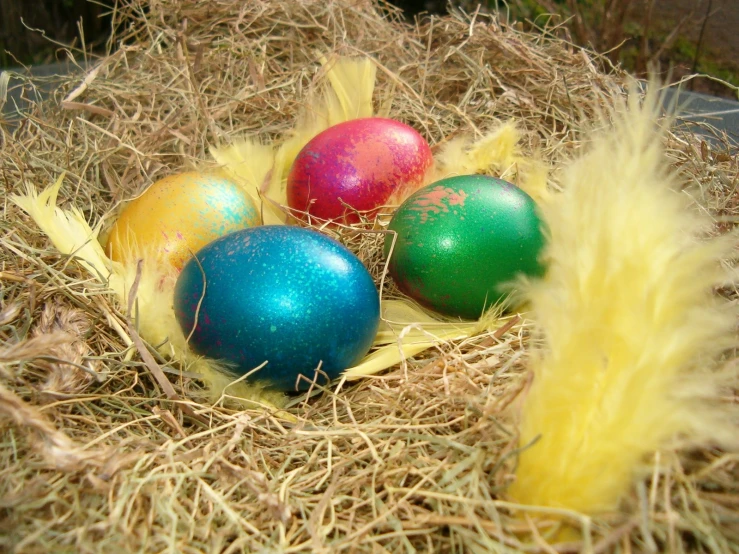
column 357, row 166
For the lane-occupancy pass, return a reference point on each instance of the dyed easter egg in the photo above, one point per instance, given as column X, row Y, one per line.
column 180, row 214
column 460, row 239
column 288, row 296
column 362, row 163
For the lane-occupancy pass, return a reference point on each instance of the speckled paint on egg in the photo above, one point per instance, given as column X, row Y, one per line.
column 285, row 295
column 179, row 215
column 362, row 163
column 460, row 239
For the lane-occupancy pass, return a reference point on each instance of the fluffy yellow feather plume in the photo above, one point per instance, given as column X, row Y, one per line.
column 628, row 324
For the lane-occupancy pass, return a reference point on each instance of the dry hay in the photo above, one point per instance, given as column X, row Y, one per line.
column 94, row 456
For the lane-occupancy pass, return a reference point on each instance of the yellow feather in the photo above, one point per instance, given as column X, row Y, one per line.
column 627, row 322
column 262, row 170
column 249, row 163
column 390, row 355
column 462, row 155
column 407, row 330
column 68, row 230
column 534, row 178
column 286, row 153
column 497, row 152
column 352, row 85
column 346, row 96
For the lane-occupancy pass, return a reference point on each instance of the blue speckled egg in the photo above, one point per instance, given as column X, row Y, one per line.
column 288, row 296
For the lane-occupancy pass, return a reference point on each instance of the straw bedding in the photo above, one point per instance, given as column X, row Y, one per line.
column 95, row 458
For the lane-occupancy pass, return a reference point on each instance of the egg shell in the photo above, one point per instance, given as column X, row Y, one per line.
column 460, row 239
column 180, row 214
column 285, row 295
column 362, row 163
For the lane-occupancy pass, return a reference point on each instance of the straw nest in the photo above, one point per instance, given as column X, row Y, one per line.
column 95, row 458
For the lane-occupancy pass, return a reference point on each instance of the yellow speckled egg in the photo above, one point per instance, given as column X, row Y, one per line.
column 178, row 215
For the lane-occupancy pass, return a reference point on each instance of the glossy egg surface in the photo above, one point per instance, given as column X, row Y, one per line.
column 361, row 163
column 460, row 239
column 285, row 295
column 178, row 215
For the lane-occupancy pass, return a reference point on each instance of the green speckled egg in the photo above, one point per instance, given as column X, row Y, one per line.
column 460, row 239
